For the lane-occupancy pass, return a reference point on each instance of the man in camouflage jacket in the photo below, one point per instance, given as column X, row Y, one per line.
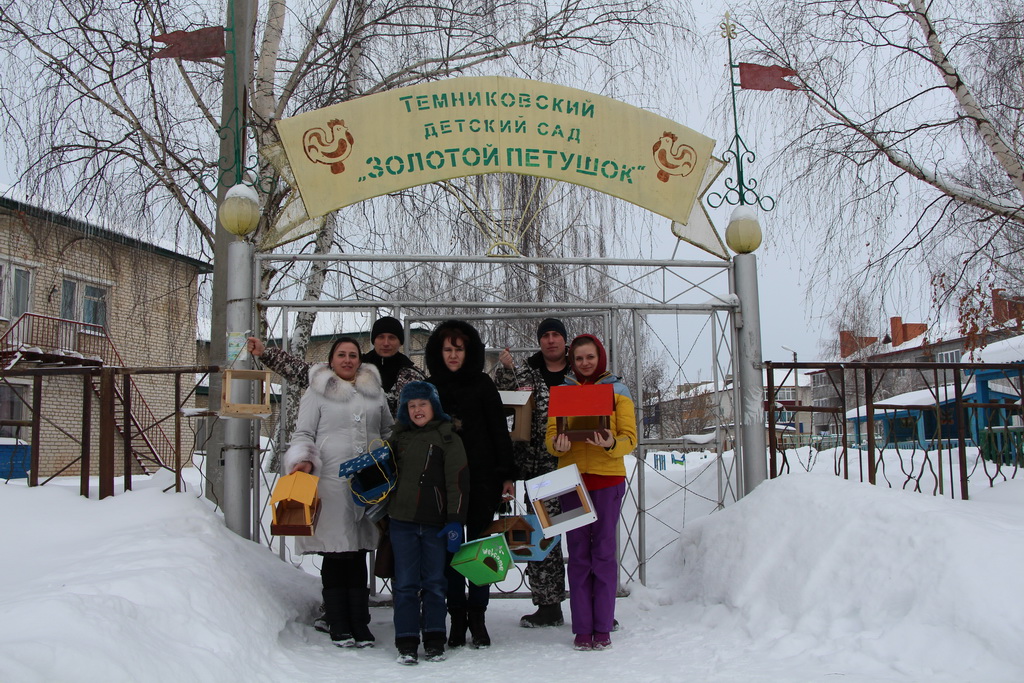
column 396, row 369
column 541, row 371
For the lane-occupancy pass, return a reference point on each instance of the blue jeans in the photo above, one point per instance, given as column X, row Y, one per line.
column 420, row 558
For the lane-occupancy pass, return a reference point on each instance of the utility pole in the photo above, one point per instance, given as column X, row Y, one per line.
column 240, row 27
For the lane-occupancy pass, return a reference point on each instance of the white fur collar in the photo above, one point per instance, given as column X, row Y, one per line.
column 323, row 381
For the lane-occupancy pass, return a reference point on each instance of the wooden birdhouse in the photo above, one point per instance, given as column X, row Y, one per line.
column 517, row 530
column 296, row 505
column 519, row 405
column 565, row 485
column 587, row 407
column 236, row 383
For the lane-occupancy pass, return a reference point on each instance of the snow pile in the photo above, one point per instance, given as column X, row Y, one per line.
column 141, row 586
column 808, row 578
column 813, row 563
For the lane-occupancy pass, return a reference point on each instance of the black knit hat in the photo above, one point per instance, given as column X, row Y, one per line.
column 551, row 324
column 414, row 390
column 388, row 324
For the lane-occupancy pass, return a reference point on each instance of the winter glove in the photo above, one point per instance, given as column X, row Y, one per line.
column 452, row 531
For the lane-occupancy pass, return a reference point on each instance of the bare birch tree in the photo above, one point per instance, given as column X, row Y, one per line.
column 101, row 127
column 905, row 152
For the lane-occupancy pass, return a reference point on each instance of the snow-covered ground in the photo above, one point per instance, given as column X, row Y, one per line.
column 809, row 578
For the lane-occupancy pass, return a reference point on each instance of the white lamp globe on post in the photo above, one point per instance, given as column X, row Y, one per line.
column 744, row 232
column 239, row 213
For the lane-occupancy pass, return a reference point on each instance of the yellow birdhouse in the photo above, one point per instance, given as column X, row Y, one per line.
column 296, row 505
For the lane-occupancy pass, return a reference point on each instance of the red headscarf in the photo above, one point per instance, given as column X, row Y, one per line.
column 602, row 359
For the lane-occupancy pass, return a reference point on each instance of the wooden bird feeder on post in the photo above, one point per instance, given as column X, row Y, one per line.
column 590, row 406
column 252, row 411
column 296, row 505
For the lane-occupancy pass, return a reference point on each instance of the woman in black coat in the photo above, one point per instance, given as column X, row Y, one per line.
column 455, row 363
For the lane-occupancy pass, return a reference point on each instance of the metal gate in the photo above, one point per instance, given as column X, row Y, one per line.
column 642, row 294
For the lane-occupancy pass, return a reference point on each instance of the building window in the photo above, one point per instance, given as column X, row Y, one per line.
column 948, row 357
column 15, row 290
column 84, row 302
column 12, row 407
column 782, row 394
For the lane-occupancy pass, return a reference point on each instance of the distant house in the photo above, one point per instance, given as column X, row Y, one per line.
column 903, row 343
column 74, row 293
column 927, row 417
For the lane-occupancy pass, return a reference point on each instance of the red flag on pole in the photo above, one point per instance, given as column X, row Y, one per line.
column 204, row 43
column 758, row 77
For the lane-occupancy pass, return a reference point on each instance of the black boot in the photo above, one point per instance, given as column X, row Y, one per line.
column 359, row 606
column 433, row 646
column 338, row 616
column 477, row 628
column 546, row 615
column 407, row 650
column 458, row 631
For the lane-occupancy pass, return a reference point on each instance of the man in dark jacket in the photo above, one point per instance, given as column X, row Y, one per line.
column 542, row 370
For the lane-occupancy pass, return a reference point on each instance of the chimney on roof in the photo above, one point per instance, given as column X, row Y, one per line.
column 904, row 332
column 1005, row 310
column 849, row 344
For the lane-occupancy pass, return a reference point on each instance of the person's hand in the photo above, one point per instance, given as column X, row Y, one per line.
column 452, row 533
column 508, row 490
column 561, row 443
column 505, row 358
column 602, row 438
column 255, row 346
column 304, row 466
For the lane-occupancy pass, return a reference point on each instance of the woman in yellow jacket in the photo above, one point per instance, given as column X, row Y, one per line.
column 593, row 566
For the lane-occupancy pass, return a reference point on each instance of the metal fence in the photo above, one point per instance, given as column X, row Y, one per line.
column 937, row 428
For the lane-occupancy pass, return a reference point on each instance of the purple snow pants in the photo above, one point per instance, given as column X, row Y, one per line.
column 593, row 566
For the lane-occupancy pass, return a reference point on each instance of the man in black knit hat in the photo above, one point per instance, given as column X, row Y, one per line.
column 544, row 369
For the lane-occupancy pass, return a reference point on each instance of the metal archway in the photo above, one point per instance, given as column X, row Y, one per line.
column 653, row 288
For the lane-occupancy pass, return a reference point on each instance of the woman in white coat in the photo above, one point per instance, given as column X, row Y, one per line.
column 340, row 416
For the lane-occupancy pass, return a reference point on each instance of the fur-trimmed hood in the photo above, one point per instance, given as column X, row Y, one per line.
column 325, row 382
column 474, row 364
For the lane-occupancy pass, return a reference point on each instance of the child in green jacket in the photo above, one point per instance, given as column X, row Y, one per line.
column 427, row 509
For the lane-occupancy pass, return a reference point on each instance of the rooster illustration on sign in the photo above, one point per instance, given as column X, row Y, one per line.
column 330, row 147
column 673, row 157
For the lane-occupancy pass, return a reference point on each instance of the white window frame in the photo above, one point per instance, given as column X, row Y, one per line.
column 8, row 269
column 21, row 411
column 79, row 299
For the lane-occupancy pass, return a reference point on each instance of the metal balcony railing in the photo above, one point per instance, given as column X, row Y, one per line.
column 70, row 341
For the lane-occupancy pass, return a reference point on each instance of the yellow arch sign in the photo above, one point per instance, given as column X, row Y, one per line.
column 458, row 127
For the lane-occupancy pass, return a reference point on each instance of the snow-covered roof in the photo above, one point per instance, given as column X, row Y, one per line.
column 1005, row 351
column 921, row 398
column 698, row 438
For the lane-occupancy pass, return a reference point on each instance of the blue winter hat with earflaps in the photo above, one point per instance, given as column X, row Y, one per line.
column 424, row 390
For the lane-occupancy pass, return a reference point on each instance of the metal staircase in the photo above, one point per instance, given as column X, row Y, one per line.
column 43, row 341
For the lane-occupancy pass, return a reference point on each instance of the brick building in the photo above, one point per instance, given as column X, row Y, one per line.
column 73, row 293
